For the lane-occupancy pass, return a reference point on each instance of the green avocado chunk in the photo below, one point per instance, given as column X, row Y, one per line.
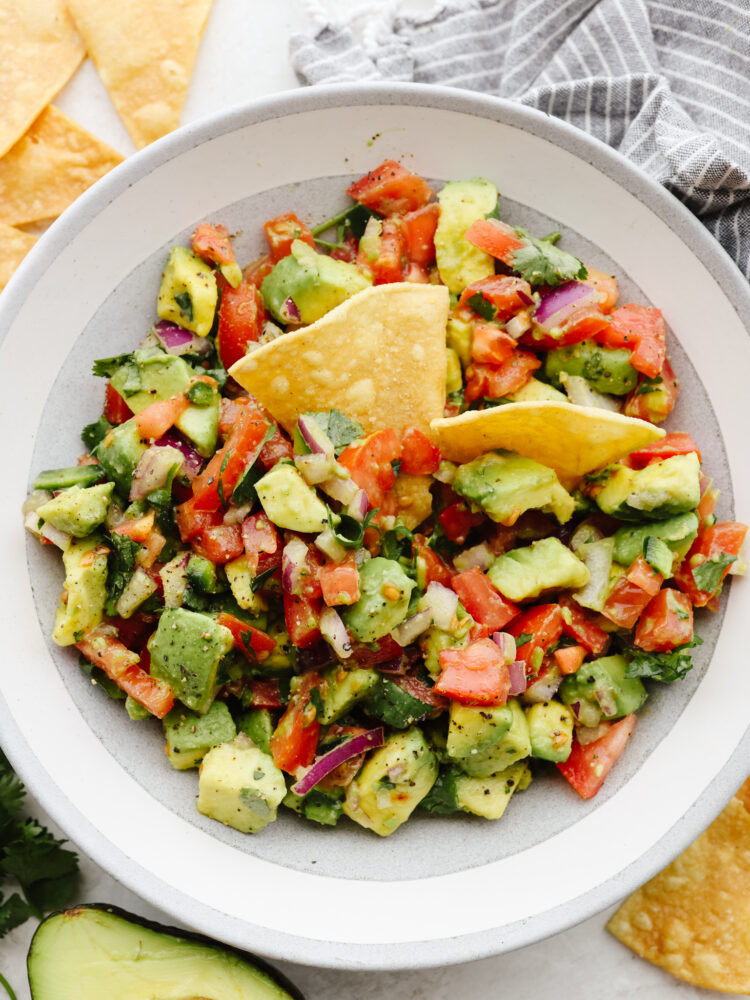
column 504, row 485
column 84, row 596
column 599, row 689
column 315, row 282
column 190, row 736
column 78, row 510
column 473, row 729
column 461, row 203
column 606, row 369
column 289, row 502
column 344, row 687
column 119, row 452
column 127, row 958
column 527, row 572
column 240, row 786
column 514, row 746
column 185, row 652
column 676, row 532
column 661, row 490
column 488, row 797
column 188, row 292
column 394, row 706
column 385, row 590
column 550, row 730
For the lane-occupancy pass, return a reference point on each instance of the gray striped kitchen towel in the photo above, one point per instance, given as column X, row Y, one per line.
column 666, row 82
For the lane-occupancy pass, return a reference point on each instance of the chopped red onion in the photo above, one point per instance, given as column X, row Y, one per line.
column 359, row 506
column 518, row 325
column 177, row 341
column 192, row 461
column 289, row 312
column 506, row 643
column 478, row 555
column 525, row 297
column 398, row 666
column 314, row 467
column 557, row 305
column 314, row 436
column 606, row 700
column 334, row 632
column 340, row 488
column 442, row 602
column 517, row 673
column 590, row 734
column 407, row 631
column 330, row 546
column 323, row 766
column 293, row 559
column 544, row 687
column 153, row 469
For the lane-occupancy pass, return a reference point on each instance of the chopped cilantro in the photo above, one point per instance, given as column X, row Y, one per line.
column 99, row 677
column 710, row 574
column 185, row 305
column 317, row 702
column 92, row 434
column 348, row 530
column 258, row 581
column 541, row 263
column 649, row 385
column 354, row 218
column 120, row 565
column 523, row 638
column 340, row 429
column 665, row 667
column 200, row 394
column 482, row 306
column 106, row 367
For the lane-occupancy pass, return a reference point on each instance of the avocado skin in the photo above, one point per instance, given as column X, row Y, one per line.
column 36, row 954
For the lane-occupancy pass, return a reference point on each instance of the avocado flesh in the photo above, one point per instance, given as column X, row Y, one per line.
column 88, row 953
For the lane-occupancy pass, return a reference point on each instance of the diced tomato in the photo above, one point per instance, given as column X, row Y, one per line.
column 138, row 528
column 221, row 544
column 212, row 243
column 133, row 632
column 577, row 625
column 306, row 583
column 605, row 284
column 122, row 666
column 116, row 410
column 151, row 550
column 295, row 739
column 278, row 446
column 713, row 543
column 667, row 447
column 370, row 654
column 497, row 381
column 260, row 537
column 419, row 456
column 302, row 615
column 496, row 238
column 213, row 487
column 709, row 498
column 653, row 402
column 418, row 229
column 643, row 575
column 413, row 684
column 258, row 269
column 484, row 602
column 625, row 602
column 491, row 345
column 256, row 645
column 369, row 464
column 569, row 658
column 339, row 582
column 666, row 622
column 191, row 522
column 457, row 521
column 282, row 231
column 388, row 264
column 476, row 674
column 588, row 766
column 347, row 251
column 535, row 631
column 434, row 568
column 642, row 328
column 155, row 419
column 241, row 319
column 582, row 324
column 507, row 294
column 229, row 410
column 265, row 692
column 391, row 189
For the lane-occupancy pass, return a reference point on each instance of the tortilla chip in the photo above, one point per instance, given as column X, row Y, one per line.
column 572, row 440
column 379, row 357
column 14, row 245
column 41, row 51
column 693, row 918
column 49, row 167
column 144, row 51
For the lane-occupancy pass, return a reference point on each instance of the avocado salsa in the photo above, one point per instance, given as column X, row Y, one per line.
column 346, row 623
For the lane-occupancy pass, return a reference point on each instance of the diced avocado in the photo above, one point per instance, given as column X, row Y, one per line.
column 174, row 580
column 151, row 375
column 394, row 706
column 392, row 783
column 61, row 479
column 489, row 797
column 78, row 510
column 544, row 565
column 240, row 580
column 315, row 283
column 258, row 725
column 190, row 736
column 658, row 555
column 185, row 652
column 323, row 807
column 128, row 958
column 385, row 591
column 600, row 689
column 289, row 502
column 453, row 374
column 283, row 656
column 504, row 485
column 597, row 557
column 135, row 710
column 550, row 730
column 119, row 453
column 188, row 292
column 240, row 786
column 201, row 425
column 344, row 687
column 85, row 590
column 677, row 533
column 606, row 369
column 458, row 337
column 473, row 729
column 514, row 746
column 535, row 391
column 655, row 493
column 202, row 575
column 461, row 203
column 138, row 589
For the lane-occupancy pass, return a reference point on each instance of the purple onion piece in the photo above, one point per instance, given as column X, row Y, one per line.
column 342, row 489
column 398, row 666
column 192, row 461
column 323, row 766
column 442, row 602
column 478, row 555
column 555, row 306
column 314, row 657
column 293, row 559
column 407, row 631
column 359, row 506
column 606, row 701
column 517, row 672
column 175, row 340
column 153, row 469
column 525, row 298
column 506, row 643
column 314, row 436
column 315, row 467
column 289, row 312
column 334, row 632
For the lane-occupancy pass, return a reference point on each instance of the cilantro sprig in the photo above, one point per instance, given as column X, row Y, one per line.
column 710, row 574
column 664, row 667
column 540, row 262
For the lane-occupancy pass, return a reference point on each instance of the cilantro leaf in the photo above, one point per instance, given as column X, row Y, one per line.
column 99, row 677
column 106, row 367
column 92, row 434
column 664, row 667
column 710, row 574
column 482, row 306
column 340, row 429
column 523, row 638
column 185, row 305
column 540, row 262
column 649, row 385
column 316, row 699
column 258, row 581
column 14, row 911
column 120, row 565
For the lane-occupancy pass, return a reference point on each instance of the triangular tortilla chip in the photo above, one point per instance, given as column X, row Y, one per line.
column 379, row 357
column 144, row 51
column 14, row 245
column 41, row 51
column 572, row 440
column 49, row 167
column 693, row 918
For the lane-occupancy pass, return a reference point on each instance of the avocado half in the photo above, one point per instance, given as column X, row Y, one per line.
column 96, row 951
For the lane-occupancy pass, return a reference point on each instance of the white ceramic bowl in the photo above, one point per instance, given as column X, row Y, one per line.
column 442, row 889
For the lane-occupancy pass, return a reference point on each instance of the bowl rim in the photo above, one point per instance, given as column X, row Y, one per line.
column 180, row 905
